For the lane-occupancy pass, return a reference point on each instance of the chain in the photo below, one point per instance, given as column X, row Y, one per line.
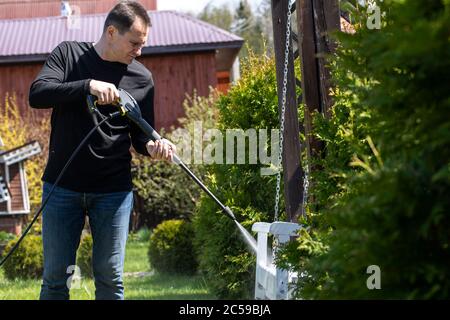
column 305, row 189
column 283, row 108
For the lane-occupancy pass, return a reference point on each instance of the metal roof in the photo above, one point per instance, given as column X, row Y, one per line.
column 33, row 39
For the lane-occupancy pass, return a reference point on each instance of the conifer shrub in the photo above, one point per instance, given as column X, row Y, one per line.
column 171, row 249
column 381, row 198
column 84, row 256
column 224, row 258
column 27, row 261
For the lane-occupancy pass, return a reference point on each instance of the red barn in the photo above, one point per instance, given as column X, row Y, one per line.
column 183, row 53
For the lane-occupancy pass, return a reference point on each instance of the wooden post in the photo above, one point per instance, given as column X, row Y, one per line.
column 316, row 18
column 310, row 73
column 293, row 173
column 327, row 19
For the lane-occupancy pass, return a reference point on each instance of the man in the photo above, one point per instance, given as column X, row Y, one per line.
column 98, row 182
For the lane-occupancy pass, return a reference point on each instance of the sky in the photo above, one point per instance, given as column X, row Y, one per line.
column 196, row 6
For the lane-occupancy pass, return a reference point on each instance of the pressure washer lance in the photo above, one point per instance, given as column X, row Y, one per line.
column 129, row 108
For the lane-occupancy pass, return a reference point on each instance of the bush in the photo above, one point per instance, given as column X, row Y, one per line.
column 5, row 237
column 223, row 256
column 143, row 235
column 171, row 249
column 28, row 259
column 382, row 196
column 164, row 192
column 84, row 256
column 225, row 260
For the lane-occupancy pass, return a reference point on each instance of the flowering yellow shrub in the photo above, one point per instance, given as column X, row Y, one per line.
column 15, row 131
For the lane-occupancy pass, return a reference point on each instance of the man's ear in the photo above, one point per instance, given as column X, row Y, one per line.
column 111, row 32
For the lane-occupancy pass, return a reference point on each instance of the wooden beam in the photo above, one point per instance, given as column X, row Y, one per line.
column 327, row 20
column 310, row 73
column 293, row 173
column 316, row 19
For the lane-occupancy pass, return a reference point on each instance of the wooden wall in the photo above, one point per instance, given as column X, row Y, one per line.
column 15, row 81
column 223, row 81
column 12, row 224
column 175, row 76
column 15, row 187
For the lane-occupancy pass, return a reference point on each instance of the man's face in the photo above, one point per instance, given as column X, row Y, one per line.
column 124, row 48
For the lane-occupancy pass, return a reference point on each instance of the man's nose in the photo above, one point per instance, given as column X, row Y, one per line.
column 138, row 52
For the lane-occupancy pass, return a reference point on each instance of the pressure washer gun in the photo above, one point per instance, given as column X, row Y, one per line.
column 128, row 107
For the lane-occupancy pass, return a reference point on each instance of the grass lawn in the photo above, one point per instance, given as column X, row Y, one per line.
column 139, row 281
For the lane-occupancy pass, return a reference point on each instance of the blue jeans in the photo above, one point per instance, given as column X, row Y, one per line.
column 62, row 223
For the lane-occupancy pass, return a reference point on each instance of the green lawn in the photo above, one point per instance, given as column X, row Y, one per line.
column 139, row 281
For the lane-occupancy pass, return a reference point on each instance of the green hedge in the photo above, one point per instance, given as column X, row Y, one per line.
column 164, row 190
column 225, row 260
column 5, row 237
column 382, row 196
column 171, row 249
column 27, row 261
column 84, row 256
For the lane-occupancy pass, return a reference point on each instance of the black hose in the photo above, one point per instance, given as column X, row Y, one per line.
column 111, row 116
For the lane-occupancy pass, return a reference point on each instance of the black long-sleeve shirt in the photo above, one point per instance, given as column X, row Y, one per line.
column 104, row 164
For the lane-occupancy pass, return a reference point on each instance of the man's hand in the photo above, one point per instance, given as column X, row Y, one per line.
column 161, row 149
column 105, row 92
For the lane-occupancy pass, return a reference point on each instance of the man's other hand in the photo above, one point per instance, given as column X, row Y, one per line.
column 161, row 150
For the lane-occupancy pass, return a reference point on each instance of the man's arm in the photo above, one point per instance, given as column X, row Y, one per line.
column 50, row 89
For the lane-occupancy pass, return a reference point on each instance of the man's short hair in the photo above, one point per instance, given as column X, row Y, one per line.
column 123, row 15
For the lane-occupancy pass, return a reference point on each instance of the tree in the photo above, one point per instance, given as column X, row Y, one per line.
column 248, row 26
column 264, row 13
column 218, row 16
column 254, row 26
